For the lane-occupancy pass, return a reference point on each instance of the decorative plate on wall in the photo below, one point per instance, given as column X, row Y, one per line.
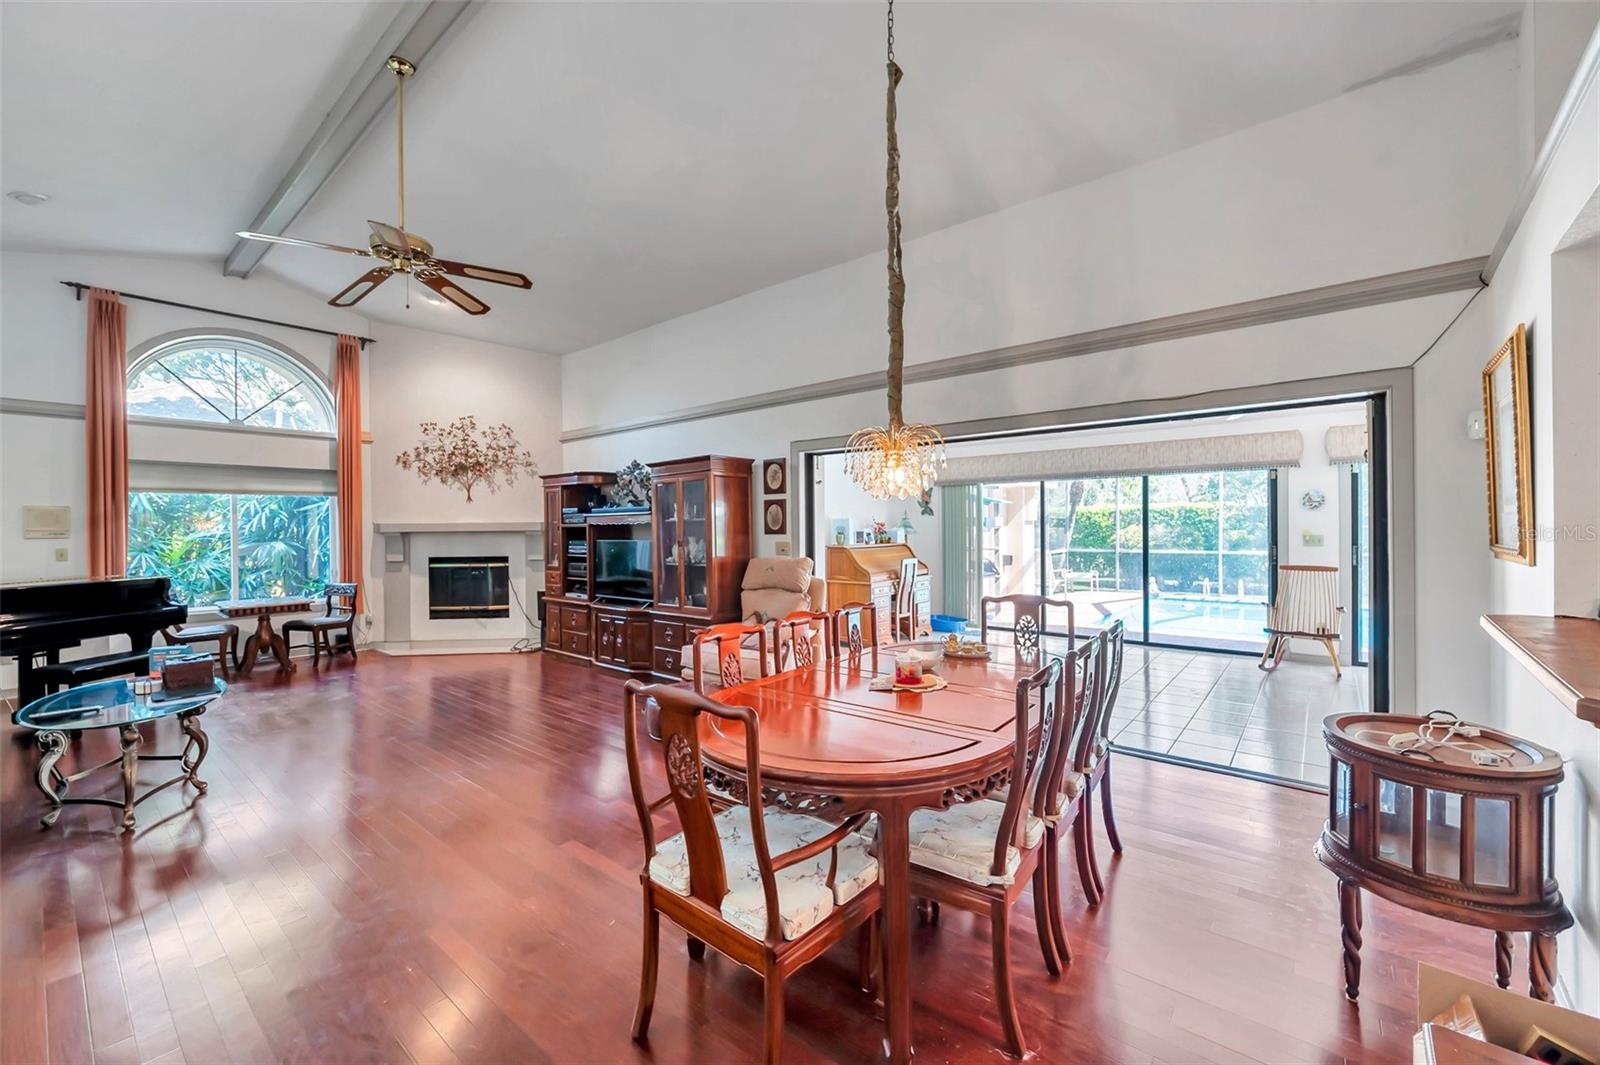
column 1313, row 499
column 775, row 475
column 775, row 516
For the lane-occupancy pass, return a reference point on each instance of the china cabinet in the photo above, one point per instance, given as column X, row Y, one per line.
column 1448, row 819
column 700, row 513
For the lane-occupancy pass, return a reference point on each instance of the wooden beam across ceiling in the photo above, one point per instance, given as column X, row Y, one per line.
column 417, row 28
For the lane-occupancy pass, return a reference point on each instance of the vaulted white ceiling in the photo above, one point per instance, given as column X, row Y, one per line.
column 641, row 161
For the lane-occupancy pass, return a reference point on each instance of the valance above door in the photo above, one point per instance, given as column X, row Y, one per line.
column 1243, row 451
column 1346, row 444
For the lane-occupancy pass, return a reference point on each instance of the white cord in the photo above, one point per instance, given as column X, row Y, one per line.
column 1427, row 737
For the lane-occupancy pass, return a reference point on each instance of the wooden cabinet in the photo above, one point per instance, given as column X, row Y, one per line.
column 870, row 573
column 699, row 531
column 566, row 627
column 568, row 498
column 669, row 635
column 622, row 638
column 700, row 525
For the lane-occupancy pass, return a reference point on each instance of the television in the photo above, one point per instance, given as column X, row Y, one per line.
column 621, row 569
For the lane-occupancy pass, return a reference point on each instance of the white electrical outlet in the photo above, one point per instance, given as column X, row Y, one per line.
column 61, row 554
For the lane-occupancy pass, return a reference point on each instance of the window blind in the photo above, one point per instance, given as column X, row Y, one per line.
column 1243, row 451
column 155, row 476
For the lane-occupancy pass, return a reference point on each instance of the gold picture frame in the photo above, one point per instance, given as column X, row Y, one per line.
column 1508, row 450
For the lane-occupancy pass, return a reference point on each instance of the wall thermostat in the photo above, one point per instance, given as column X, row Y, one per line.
column 46, row 523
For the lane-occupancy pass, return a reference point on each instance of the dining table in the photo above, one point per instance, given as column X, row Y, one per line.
column 831, row 745
column 265, row 640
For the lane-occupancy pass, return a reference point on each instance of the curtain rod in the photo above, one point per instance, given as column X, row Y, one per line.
column 79, row 286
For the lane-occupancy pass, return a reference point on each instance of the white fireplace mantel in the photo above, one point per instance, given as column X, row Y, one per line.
column 393, row 528
column 407, row 546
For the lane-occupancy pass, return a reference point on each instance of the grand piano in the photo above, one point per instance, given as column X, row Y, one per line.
column 43, row 618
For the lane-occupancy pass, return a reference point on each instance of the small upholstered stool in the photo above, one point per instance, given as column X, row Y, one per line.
column 225, row 636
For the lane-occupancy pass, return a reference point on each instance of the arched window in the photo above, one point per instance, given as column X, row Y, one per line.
column 218, row 529
column 228, row 380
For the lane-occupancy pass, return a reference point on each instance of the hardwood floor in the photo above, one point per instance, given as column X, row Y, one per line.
column 436, row 859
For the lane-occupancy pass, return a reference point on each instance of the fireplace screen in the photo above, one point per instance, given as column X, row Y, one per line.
column 472, row 586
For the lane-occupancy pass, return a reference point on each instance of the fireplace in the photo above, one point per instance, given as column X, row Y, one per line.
column 469, row 586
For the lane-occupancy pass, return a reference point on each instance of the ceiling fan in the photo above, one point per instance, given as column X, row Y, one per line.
column 405, row 253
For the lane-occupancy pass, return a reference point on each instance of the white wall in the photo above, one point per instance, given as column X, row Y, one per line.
column 1405, row 173
column 1564, row 388
column 409, row 376
column 42, row 357
column 419, row 376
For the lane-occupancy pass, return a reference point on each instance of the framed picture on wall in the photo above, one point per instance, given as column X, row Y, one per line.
column 1507, row 446
column 775, row 516
column 775, row 476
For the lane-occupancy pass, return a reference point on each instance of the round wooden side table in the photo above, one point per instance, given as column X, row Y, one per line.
column 1462, row 830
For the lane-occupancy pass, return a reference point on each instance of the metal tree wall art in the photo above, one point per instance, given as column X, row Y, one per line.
column 461, row 455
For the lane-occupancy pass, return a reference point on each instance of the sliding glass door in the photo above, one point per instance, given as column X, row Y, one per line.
column 1094, row 550
column 1182, row 559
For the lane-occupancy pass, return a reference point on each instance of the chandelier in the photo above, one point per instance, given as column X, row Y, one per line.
column 899, row 461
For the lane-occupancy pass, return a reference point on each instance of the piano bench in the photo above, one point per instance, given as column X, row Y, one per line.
column 84, row 670
column 225, row 636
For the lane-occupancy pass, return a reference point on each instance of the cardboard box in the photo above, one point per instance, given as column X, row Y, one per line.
column 1506, row 1015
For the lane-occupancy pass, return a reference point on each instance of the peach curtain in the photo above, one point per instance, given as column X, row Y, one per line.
column 105, row 420
column 347, row 400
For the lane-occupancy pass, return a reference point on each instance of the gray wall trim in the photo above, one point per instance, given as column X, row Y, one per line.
column 416, row 29
column 1397, row 383
column 46, row 408
column 40, row 408
column 1366, row 292
column 1583, row 79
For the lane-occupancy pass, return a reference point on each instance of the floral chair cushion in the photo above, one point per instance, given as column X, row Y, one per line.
column 803, row 895
column 960, row 841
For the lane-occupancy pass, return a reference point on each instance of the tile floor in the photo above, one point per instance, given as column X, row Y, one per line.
column 1222, row 710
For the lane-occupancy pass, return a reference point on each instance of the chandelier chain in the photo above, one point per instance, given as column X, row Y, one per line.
column 898, row 461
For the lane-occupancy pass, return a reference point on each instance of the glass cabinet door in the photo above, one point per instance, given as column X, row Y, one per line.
column 1394, row 822
column 697, row 545
column 669, row 550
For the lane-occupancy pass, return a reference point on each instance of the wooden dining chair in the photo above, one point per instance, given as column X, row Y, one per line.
column 1091, row 761
column 905, row 600
column 855, row 628
column 1027, row 619
column 728, row 642
column 334, row 631
column 1080, row 672
column 795, row 640
column 717, row 878
column 980, row 856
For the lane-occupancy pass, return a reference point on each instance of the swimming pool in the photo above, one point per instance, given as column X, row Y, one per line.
column 1233, row 624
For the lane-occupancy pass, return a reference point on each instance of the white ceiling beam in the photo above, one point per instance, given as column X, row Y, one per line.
column 416, row 29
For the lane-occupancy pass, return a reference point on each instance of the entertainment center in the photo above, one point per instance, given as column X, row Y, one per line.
column 627, row 586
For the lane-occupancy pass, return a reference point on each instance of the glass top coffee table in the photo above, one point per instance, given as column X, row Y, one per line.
column 113, row 704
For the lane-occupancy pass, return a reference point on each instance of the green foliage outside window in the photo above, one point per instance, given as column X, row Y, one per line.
column 216, row 547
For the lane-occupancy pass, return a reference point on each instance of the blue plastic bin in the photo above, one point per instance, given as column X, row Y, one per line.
column 949, row 623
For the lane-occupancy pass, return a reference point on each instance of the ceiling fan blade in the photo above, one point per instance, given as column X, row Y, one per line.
column 484, row 273
column 456, row 295
column 298, row 243
column 361, row 287
column 394, row 237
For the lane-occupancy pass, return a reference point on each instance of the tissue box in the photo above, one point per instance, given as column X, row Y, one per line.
column 188, row 676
